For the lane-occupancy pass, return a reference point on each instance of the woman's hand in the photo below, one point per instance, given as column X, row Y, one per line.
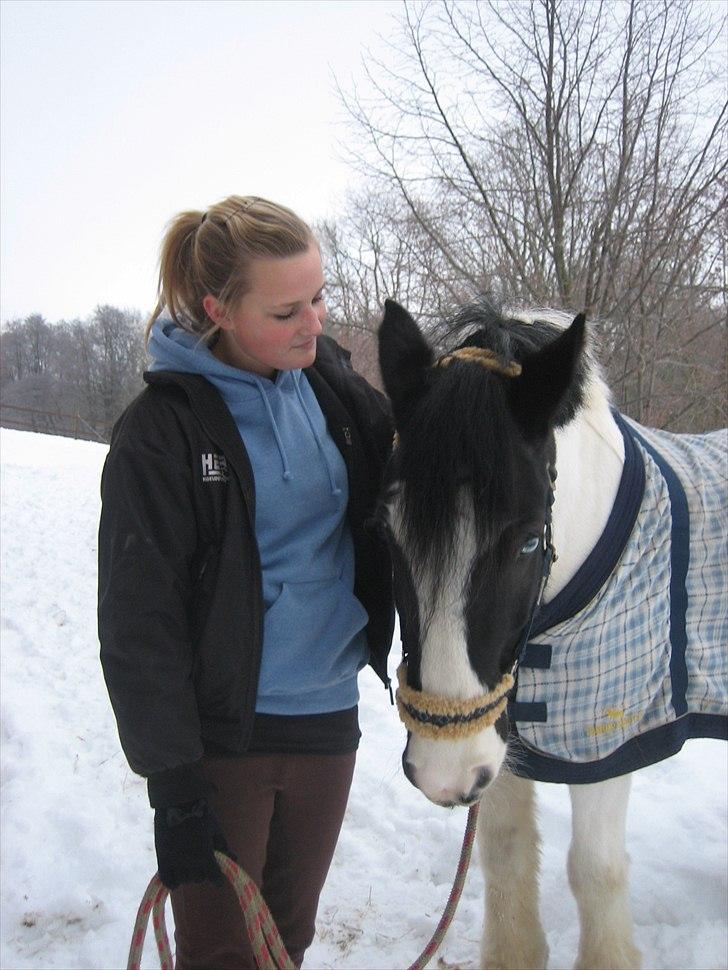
column 186, row 838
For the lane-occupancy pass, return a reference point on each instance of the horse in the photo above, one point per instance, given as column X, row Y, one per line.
column 557, row 622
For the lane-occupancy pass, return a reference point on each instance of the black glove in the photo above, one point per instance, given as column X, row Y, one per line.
column 186, row 837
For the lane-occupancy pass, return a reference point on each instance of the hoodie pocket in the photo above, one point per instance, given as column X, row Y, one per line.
column 311, row 637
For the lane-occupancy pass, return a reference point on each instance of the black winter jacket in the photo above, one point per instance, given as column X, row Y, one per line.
column 180, row 587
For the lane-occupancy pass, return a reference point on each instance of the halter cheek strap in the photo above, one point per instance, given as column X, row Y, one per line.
column 437, row 718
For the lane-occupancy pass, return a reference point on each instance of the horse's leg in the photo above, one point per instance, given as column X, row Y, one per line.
column 509, row 853
column 598, row 875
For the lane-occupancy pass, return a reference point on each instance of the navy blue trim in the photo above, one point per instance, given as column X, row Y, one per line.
column 537, row 656
column 647, row 749
column 442, row 720
column 605, row 555
column 527, row 711
column 679, row 563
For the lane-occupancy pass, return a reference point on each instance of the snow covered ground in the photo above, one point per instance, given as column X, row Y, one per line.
column 77, row 848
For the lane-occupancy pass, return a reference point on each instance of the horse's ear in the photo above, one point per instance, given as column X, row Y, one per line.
column 546, row 377
column 404, row 357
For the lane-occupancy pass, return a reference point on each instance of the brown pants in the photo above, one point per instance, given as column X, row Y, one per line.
column 281, row 816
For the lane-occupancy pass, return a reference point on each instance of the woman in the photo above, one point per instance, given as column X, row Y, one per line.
column 240, row 590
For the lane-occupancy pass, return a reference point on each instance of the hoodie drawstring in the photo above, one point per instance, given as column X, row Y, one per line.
column 276, row 433
column 335, row 490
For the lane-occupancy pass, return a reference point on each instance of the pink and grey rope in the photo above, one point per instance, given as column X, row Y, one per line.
column 270, row 954
column 268, row 948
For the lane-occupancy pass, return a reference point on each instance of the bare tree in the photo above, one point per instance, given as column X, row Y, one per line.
column 119, row 359
column 568, row 152
column 374, row 250
column 27, row 347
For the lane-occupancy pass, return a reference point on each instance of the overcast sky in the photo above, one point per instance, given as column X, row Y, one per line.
column 116, row 114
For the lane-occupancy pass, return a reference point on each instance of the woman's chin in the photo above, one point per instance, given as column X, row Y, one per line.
column 305, row 355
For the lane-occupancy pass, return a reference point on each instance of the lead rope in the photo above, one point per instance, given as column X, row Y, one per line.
column 268, row 948
column 457, row 888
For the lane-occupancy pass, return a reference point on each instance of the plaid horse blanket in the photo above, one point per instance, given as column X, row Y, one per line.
column 631, row 658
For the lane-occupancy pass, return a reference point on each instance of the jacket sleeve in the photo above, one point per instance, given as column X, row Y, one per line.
column 147, row 544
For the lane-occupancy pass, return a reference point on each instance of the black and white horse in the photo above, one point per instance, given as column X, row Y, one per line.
column 507, row 450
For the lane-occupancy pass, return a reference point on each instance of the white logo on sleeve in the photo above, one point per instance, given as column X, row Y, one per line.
column 214, row 467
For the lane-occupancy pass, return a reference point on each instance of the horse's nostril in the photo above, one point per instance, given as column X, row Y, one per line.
column 408, row 769
column 483, row 777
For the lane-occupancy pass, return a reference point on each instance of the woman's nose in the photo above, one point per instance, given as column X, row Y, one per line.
column 313, row 320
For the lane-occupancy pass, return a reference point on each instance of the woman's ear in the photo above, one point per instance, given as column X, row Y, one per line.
column 216, row 311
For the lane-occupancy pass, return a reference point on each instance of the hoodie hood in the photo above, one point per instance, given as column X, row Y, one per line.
column 174, row 349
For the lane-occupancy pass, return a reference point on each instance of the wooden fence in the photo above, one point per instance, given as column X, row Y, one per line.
column 48, row 422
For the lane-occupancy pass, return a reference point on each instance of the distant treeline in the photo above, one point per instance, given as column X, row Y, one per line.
column 71, row 377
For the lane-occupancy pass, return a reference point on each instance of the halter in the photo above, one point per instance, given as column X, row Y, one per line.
column 444, row 718
column 441, row 718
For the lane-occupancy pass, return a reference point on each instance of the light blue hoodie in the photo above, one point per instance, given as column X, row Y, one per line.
column 313, row 644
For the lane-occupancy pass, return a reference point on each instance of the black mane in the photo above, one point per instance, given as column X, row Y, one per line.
column 481, row 323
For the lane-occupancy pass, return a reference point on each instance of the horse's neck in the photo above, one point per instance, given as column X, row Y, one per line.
column 589, row 461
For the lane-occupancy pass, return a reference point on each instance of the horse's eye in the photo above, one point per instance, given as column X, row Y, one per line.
column 531, row 545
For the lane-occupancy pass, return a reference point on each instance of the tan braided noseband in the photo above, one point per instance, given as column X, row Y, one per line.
column 486, row 358
column 443, row 718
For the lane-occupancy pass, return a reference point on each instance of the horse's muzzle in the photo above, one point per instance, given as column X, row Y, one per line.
column 448, row 798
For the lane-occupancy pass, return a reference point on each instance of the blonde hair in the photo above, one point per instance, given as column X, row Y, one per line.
column 211, row 252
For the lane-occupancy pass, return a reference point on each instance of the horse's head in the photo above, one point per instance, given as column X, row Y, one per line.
column 466, row 506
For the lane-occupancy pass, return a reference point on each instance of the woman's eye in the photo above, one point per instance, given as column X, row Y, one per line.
column 530, row 545
column 292, row 313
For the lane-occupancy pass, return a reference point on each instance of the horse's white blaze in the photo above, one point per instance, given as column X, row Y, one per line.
column 447, row 771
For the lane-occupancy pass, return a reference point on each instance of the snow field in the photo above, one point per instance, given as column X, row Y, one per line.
column 76, row 836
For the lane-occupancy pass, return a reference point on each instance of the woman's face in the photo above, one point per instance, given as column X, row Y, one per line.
column 275, row 325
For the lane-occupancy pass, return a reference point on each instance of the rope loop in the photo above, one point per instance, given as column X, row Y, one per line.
column 268, row 948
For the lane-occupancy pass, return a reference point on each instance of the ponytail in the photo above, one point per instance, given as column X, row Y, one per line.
column 211, row 252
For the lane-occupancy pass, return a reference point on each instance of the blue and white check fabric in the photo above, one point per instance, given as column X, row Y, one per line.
column 643, row 664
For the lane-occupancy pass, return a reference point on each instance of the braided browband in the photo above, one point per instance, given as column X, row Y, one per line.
column 486, row 358
column 441, row 718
